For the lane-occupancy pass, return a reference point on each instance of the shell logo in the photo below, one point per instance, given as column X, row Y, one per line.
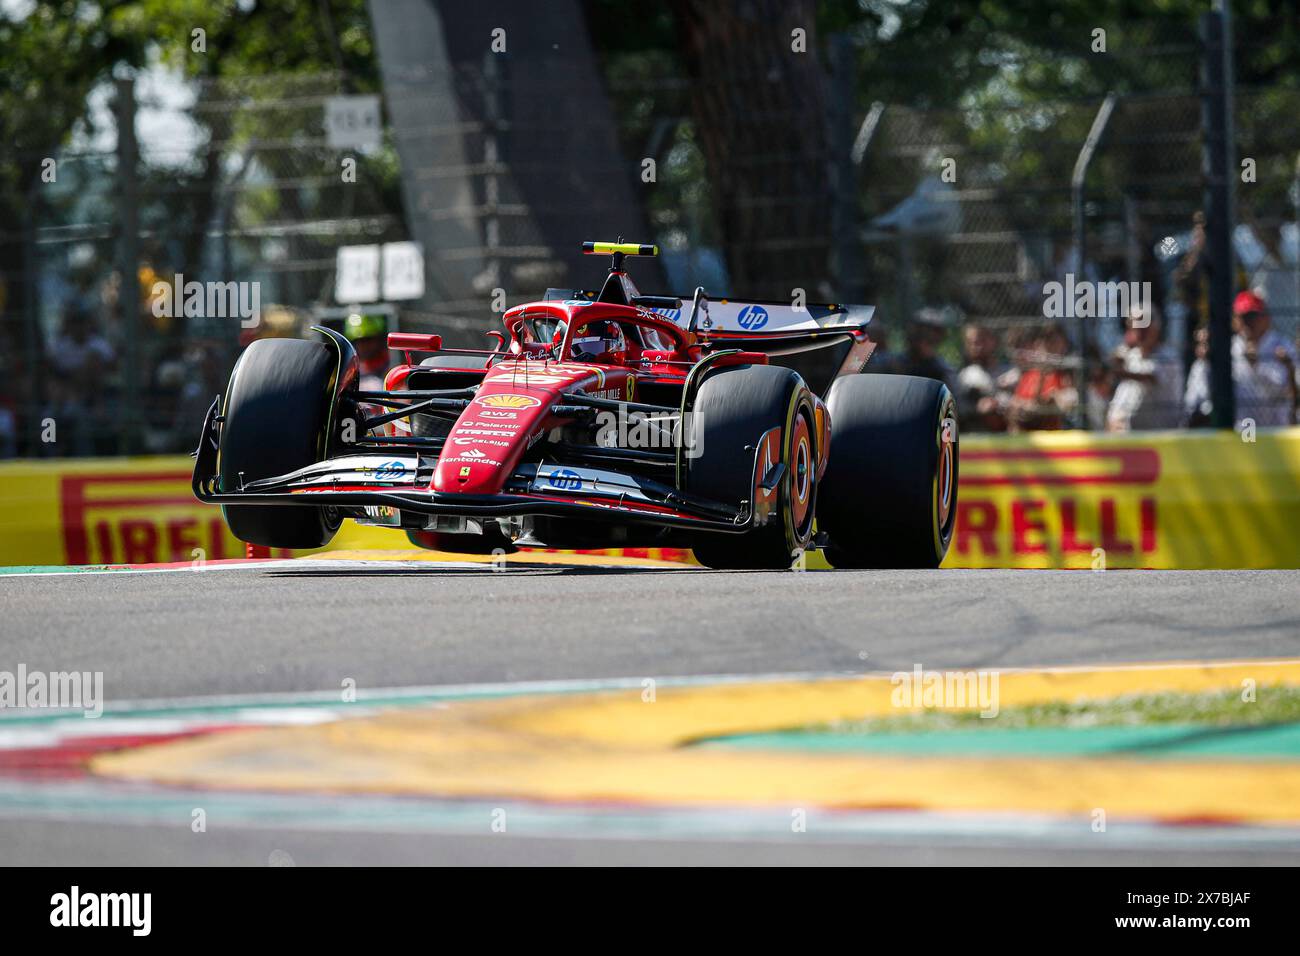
column 508, row 401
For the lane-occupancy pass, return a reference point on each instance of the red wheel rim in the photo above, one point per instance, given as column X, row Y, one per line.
column 943, row 484
column 801, row 473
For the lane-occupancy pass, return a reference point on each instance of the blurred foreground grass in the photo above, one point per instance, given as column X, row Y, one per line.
column 1272, row 705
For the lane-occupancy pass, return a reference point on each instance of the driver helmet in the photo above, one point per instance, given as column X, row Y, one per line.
column 597, row 339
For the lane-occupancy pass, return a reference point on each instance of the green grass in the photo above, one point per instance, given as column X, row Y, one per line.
column 1272, row 705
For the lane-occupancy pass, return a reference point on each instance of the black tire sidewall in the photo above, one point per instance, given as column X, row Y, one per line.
column 733, row 409
column 276, row 420
column 878, row 498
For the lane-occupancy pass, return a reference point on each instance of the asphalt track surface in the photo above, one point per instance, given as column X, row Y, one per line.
column 280, row 628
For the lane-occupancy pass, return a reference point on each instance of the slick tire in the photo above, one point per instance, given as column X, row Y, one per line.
column 733, row 410
column 275, row 421
column 889, row 497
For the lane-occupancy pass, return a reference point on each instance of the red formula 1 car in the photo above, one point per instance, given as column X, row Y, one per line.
column 600, row 419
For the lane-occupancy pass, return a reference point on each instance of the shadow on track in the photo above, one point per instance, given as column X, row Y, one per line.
column 468, row 570
column 471, row 570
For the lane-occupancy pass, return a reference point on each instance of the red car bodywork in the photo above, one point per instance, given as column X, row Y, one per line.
column 496, row 457
column 520, row 390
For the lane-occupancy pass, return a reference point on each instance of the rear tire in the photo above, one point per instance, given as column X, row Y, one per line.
column 276, row 417
column 733, row 409
column 889, row 497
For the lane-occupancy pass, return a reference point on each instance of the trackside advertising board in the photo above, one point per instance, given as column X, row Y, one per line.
column 1048, row 500
column 1177, row 500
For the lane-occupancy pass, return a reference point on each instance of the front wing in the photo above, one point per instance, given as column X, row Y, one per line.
column 368, row 482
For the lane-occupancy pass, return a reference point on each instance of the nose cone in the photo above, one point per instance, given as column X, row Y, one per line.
column 487, row 441
column 514, row 402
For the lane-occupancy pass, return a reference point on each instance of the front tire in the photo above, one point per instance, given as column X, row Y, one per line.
column 889, row 497
column 275, row 420
column 733, row 410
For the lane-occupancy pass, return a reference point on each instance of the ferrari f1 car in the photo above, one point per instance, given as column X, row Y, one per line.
column 596, row 419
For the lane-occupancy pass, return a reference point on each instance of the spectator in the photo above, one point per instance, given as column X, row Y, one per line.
column 1295, row 380
column 76, row 399
column 78, row 350
column 11, row 381
column 1187, row 305
column 201, row 381
column 924, row 336
column 1045, row 393
column 981, row 400
column 1101, row 387
column 1196, row 400
column 1263, row 364
column 1263, row 369
column 162, row 396
column 8, row 422
column 64, row 408
column 1025, row 343
column 883, row 360
column 1149, row 378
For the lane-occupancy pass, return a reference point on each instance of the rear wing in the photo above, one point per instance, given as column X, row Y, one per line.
column 780, row 328
column 775, row 327
column 757, row 321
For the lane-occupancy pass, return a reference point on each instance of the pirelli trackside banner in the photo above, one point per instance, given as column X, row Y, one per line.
column 1154, row 500
column 107, row 511
column 1048, row 500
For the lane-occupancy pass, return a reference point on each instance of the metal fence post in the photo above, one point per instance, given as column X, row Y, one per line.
column 867, row 132
column 31, row 314
column 1218, row 216
column 1077, row 181
column 491, row 160
column 128, row 263
column 844, row 230
column 1224, row 9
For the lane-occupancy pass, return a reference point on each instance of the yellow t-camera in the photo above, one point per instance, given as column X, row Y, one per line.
column 618, row 248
